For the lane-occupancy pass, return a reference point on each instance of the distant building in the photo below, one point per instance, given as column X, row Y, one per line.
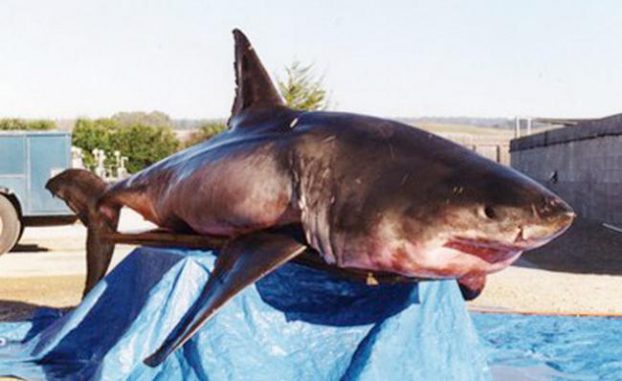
column 495, row 148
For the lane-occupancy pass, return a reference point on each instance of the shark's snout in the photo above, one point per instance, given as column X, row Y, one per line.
column 497, row 231
column 549, row 219
column 553, row 208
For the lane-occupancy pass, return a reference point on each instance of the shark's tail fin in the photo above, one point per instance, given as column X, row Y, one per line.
column 82, row 190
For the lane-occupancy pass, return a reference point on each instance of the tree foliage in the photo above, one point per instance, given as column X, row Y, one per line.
column 142, row 144
column 205, row 132
column 302, row 89
column 31, row 125
column 154, row 118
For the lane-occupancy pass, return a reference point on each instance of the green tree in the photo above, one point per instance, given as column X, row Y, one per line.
column 154, row 118
column 205, row 132
column 142, row 144
column 89, row 134
column 22, row 124
column 302, row 89
column 12, row 124
column 40, row 125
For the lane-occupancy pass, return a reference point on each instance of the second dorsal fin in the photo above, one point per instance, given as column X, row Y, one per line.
column 254, row 88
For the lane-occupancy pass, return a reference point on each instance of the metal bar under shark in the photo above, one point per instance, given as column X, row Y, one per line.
column 310, row 258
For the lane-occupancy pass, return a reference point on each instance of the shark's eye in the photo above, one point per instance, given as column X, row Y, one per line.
column 489, row 212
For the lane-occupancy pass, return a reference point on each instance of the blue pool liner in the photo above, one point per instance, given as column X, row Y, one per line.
column 539, row 348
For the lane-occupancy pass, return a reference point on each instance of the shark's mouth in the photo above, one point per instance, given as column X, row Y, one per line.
column 488, row 250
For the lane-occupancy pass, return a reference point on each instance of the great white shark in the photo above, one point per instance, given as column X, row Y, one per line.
column 363, row 193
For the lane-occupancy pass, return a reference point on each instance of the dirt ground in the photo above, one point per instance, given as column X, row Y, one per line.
column 20, row 296
column 579, row 273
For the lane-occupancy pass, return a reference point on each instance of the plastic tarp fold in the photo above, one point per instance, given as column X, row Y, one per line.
column 295, row 324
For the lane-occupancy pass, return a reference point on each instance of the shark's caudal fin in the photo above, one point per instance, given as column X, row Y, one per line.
column 254, row 88
column 81, row 190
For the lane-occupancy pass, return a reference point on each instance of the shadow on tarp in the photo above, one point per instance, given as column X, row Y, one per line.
column 13, row 310
column 38, row 320
column 324, row 299
column 296, row 324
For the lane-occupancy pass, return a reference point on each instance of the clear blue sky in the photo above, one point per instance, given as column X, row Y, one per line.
column 68, row 58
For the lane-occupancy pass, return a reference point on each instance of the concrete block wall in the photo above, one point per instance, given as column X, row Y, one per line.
column 582, row 164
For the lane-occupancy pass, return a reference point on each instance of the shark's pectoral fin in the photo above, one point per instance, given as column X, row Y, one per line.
column 243, row 261
column 472, row 285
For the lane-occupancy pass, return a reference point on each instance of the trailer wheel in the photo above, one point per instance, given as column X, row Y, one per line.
column 10, row 225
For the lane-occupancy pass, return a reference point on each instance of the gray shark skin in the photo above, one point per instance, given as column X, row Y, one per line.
column 365, row 193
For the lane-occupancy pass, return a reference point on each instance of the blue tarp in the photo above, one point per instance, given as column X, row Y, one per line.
column 295, row 324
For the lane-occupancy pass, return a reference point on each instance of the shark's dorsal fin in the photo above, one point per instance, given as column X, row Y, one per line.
column 254, row 88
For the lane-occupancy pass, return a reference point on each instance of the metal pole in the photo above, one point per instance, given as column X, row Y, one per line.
column 528, row 126
column 517, row 127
